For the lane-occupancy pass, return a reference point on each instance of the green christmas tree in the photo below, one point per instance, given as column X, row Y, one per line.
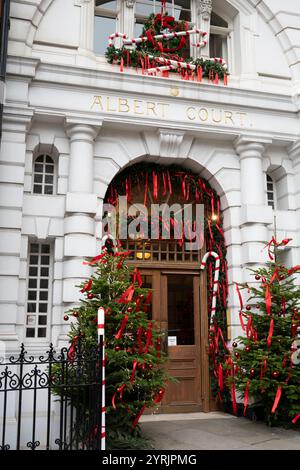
column 134, row 364
column 266, row 365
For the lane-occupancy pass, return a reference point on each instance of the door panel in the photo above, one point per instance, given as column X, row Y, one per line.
column 176, row 309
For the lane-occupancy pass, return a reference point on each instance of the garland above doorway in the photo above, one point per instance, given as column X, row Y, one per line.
column 154, row 182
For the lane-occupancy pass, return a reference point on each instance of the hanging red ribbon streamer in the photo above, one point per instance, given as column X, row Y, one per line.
column 277, row 398
column 268, row 300
column 148, row 298
column 71, row 352
column 146, row 190
column 155, row 185
column 94, row 260
column 135, row 422
column 294, row 421
column 149, row 337
column 271, row 330
column 233, row 397
column 159, row 396
column 127, row 296
column 241, row 320
column 135, row 364
column 246, row 397
column 293, row 270
column 137, row 277
column 220, row 378
column 139, row 339
column 87, row 286
column 239, row 295
column 122, row 327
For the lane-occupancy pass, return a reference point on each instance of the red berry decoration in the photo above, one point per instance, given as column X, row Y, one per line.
column 281, row 277
column 117, row 348
column 236, row 354
column 295, row 310
column 150, row 366
column 75, row 314
column 247, row 348
column 66, row 318
column 248, row 307
column 90, row 295
column 234, row 345
column 252, row 372
column 257, row 277
column 275, row 374
column 82, row 335
column 141, row 296
column 130, row 310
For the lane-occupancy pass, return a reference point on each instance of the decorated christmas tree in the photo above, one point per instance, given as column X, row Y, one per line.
column 265, row 366
column 134, row 372
column 163, row 47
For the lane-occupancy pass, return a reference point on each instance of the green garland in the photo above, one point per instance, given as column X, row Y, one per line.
column 154, row 25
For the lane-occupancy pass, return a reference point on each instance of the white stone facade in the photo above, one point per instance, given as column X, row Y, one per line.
column 64, row 100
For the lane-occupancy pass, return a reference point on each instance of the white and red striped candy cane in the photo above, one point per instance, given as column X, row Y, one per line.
column 130, row 42
column 101, row 337
column 216, row 280
column 175, row 63
column 113, row 36
column 163, row 68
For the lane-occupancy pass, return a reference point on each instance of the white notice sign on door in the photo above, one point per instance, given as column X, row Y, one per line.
column 172, row 340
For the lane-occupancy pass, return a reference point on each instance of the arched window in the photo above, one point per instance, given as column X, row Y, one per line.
column 106, row 13
column 218, row 39
column 271, row 192
column 43, row 175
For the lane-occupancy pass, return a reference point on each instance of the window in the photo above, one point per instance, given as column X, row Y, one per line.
column 218, row 39
column 105, row 24
column 271, row 192
column 38, row 293
column 43, row 175
column 179, row 9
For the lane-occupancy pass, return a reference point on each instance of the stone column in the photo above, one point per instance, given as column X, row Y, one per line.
column 294, row 153
column 86, row 36
column 81, row 202
column 13, row 261
column 127, row 18
column 201, row 13
column 256, row 215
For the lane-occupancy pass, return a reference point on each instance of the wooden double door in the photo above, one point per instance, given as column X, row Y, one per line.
column 179, row 308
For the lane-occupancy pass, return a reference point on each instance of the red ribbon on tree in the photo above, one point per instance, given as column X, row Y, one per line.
column 71, row 352
column 294, row 421
column 220, row 378
column 127, row 296
column 94, row 260
column 137, row 418
column 122, row 327
column 135, row 364
column 149, row 337
column 277, row 398
column 271, row 330
column 87, row 286
column 246, row 397
column 268, row 300
column 137, row 277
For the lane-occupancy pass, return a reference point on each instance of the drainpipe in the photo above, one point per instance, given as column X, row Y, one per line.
column 4, row 28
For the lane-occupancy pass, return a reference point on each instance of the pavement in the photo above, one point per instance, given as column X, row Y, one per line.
column 215, row 431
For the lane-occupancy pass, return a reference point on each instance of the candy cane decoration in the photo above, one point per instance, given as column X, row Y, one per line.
column 178, row 63
column 101, row 336
column 131, row 42
column 216, row 280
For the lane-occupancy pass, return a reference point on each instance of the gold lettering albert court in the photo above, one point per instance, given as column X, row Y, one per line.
column 197, row 114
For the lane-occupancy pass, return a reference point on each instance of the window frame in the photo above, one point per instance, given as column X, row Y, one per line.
column 223, row 33
column 50, row 278
column 44, row 174
column 271, row 202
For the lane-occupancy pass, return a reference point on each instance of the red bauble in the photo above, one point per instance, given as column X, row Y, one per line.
column 237, row 355
column 275, row 374
column 90, row 295
column 234, row 345
column 150, row 366
column 257, row 306
column 117, row 348
column 66, row 318
column 130, row 310
column 248, row 307
column 263, row 280
column 281, row 277
column 295, row 310
column 82, row 335
column 75, row 314
column 252, row 372
column 257, row 277
column 141, row 296
column 247, row 348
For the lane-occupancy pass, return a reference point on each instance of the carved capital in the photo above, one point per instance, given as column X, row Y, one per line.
column 205, row 8
column 130, row 3
column 170, row 142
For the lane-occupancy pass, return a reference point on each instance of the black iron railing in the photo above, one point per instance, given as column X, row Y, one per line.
column 53, row 401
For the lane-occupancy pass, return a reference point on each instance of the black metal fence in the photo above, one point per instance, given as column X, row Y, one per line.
column 53, row 401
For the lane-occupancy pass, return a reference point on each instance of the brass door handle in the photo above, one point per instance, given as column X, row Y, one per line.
column 164, row 340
